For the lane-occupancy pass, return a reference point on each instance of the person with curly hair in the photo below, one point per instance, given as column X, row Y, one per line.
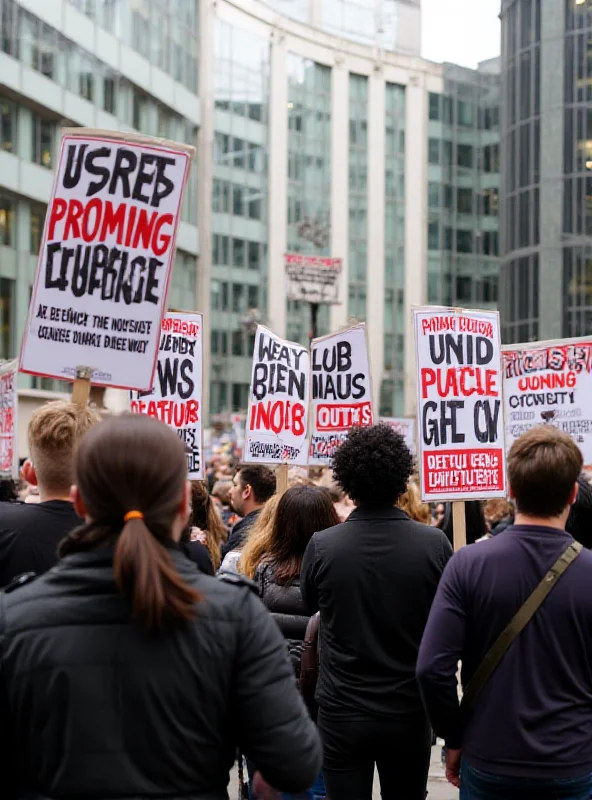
column 373, row 579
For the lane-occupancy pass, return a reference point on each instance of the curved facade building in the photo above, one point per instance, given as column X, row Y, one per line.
column 546, row 272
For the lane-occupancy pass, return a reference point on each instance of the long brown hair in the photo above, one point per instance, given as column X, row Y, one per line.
column 134, row 463
column 205, row 516
column 301, row 512
column 258, row 538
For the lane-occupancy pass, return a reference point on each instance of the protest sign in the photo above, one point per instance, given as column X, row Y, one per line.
column 277, row 419
column 106, row 258
column 177, row 394
column 459, row 404
column 9, row 463
column 405, row 426
column 313, row 278
column 341, row 390
column 550, row 383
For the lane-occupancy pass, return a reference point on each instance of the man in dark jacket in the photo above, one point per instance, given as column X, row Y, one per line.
column 30, row 533
column 252, row 486
column 373, row 578
column 529, row 733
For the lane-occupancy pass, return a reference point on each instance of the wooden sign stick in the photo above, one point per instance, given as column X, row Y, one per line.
column 81, row 390
column 281, row 479
column 459, row 524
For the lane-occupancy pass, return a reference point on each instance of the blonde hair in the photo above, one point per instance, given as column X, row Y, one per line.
column 54, row 432
column 259, row 538
column 411, row 504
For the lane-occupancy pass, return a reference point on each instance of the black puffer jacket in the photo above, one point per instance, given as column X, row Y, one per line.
column 287, row 608
column 92, row 706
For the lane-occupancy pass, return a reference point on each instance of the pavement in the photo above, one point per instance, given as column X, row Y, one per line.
column 438, row 788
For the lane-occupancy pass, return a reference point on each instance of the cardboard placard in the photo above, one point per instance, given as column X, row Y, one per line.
column 405, row 426
column 313, row 279
column 459, row 404
column 178, row 386
column 106, row 258
column 9, row 462
column 277, row 419
column 550, row 383
column 341, row 391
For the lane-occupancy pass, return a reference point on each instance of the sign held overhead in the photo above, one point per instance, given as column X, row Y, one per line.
column 106, row 258
column 313, row 279
column 460, row 413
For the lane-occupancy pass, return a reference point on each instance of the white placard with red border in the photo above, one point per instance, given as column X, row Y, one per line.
column 550, row 383
column 9, row 462
column 277, row 418
column 178, row 385
column 313, row 278
column 106, row 258
column 460, row 415
column 341, row 390
column 405, row 426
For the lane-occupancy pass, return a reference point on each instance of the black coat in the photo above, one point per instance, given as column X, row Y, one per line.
column 94, row 707
column 373, row 578
column 287, row 608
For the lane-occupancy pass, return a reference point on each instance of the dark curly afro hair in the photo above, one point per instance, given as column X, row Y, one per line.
column 373, row 465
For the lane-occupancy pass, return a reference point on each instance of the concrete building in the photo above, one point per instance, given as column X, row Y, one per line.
column 546, row 128
column 319, row 129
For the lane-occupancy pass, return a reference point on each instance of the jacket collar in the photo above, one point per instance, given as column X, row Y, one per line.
column 102, row 557
column 375, row 513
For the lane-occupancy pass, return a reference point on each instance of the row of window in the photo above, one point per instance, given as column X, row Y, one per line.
column 232, row 151
column 462, row 241
column 163, row 31
column 220, row 393
column 442, row 152
column 241, row 343
column 231, row 251
column 8, row 205
column 467, row 201
column 442, row 109
column 236, row 297
column 241, row 201
column 43, row 133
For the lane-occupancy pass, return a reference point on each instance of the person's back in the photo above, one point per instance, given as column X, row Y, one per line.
column 530, row 727
column 127, row 673
column 373, row 578
column 30, row 533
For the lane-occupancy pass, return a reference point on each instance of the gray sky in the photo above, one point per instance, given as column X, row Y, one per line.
column 460, row 31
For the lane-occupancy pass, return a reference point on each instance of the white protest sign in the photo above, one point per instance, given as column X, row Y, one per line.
column 177, row 394
column 341, row 390
column 313, row 278
column 459, row 404
column 9, row 463
column 405, row 426
column 106, row 258
column 550, row 383
column 277, row 418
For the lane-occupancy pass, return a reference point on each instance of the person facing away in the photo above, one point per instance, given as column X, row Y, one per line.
column 204, row 531
column 30, row 533
column 252, row 486
column 373, row 578
column 124, row 671
column 529, row 733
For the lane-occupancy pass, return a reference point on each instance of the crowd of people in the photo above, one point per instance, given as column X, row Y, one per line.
column 155, row 631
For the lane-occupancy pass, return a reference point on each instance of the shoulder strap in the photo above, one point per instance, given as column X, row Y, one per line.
column 517, row 624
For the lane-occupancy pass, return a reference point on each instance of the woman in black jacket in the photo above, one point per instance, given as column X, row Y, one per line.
column 301, row 512
column 124, row 672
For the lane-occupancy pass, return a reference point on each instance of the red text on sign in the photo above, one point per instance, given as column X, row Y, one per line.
column 463, row 471
column 343, row 417
column 459, row 381
column 278, row 416
column 169, row 411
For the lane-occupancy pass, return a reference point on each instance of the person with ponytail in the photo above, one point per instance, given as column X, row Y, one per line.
column 124, row 671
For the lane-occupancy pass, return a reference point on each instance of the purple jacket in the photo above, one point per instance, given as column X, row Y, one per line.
column 533, row 718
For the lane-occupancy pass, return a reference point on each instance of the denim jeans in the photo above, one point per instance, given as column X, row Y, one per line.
column 477, row 785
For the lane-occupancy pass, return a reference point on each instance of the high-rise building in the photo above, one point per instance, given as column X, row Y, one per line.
column 546, row 223
column 319, row 130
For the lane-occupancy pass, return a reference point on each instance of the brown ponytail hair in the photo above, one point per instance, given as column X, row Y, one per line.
column 134, row 463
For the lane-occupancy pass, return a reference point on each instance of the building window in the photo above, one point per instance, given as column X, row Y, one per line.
column 465, row 113
column 42, row 145
column 254, row 251
column 434, row 106
column 238, row 253
column 221, row 148
column 240, row 394
column 464, row 286
column 433, row 235
column 434, row 195
column 490, row 202
column 238, row 297
column 464, row 201
column 255, row 155
column 238, row 152
column 490, row 243
column 36, row 226
column 110, row 94
column 8, row 117
column 464, row 241
column 139, row 111
column 434, row 151
column 253, row 297
column 6, row 317
column 237, row 201
column 491, row 158
column 465, row 155
column 238, row 343
column 6, row 221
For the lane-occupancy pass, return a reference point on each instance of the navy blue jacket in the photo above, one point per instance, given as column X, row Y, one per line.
column 534, row 717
